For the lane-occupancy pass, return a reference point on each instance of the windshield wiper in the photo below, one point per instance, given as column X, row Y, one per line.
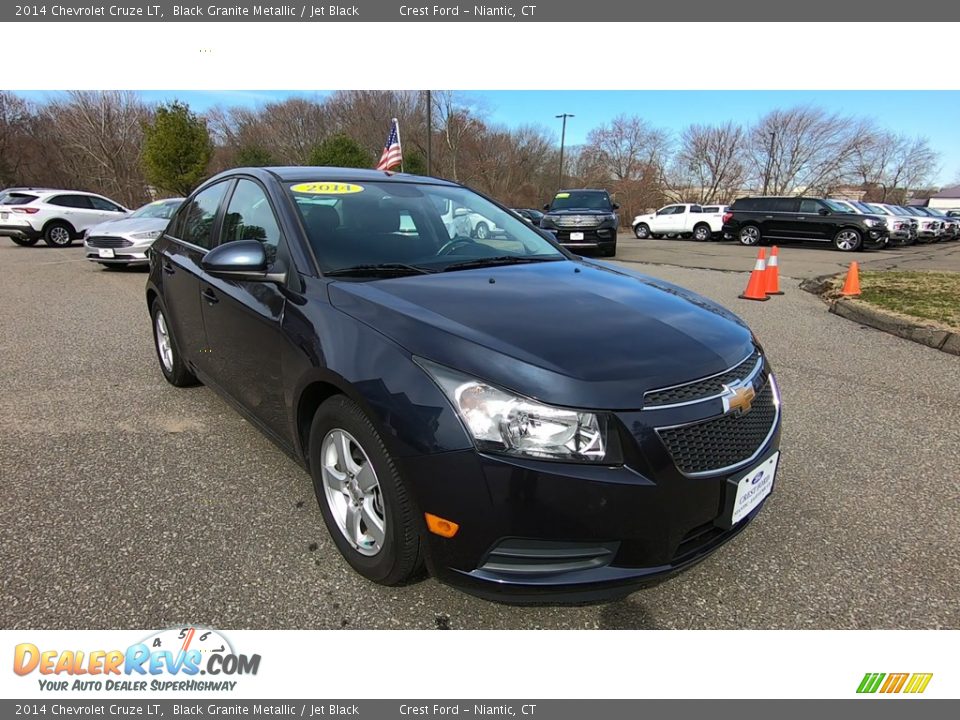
column 379, row 269
column 500, row 260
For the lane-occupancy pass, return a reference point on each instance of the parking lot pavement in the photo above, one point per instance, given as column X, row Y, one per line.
column 796, row 260
column 125, row 502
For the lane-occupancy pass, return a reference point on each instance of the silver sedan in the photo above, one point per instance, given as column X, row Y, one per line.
column 125, row 241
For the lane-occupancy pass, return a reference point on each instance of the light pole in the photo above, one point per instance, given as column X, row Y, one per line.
column 563, row 137
column 429, row 134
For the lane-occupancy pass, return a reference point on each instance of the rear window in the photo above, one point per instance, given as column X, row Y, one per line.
column 18, row 199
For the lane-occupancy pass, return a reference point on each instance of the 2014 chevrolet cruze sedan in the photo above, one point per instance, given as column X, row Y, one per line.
column 530, row 424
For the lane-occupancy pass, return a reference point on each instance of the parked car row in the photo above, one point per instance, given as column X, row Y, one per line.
column 909, row 224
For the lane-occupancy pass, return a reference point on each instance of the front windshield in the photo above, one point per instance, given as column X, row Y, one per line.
column 879, row 209
column 581, row 200
column 162, row 209
column 837, row 206
column 415, row 226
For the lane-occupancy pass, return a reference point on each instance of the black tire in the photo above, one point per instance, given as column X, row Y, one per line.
column 702, row 232
column 609, row 252
column 642, row 231
column 400, row 555
column 481, row 231
column 657, row 236
column 749, row 235
column 58, row 234
column 848, row 240
column 177, row 373
column 25, row 242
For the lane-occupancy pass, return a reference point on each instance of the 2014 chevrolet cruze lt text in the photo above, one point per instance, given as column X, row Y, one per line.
column 530, row 424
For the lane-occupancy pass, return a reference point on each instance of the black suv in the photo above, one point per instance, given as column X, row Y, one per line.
column 755, row 220
column 583, row 220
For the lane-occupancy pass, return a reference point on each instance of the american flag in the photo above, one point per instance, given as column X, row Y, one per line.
column 392, row 155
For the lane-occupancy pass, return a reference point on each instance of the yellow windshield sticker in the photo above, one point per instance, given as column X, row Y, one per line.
column 327, row 188
column 562, row 195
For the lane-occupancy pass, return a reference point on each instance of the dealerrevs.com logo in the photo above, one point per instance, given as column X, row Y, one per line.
column 173, row 659
column 893, row 683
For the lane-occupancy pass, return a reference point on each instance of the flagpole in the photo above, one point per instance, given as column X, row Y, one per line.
column 396, row 124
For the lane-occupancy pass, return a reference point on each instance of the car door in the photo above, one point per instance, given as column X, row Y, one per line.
column 813, row 221
column 665, row 219
column 181, row 248
column 75, row 209
column 106, row 209
column 242, row 319
column 778, row 218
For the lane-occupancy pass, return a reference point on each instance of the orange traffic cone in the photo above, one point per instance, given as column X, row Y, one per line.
column 851, row 286
column 756, row 286
column 772, row 273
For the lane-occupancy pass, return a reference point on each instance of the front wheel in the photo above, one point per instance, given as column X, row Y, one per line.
column 362, row 498
column 642, row 231
column 25, row 241
column 58, row 234
column 609, row 251
column 749, row 235
column 481, row 231
column 848, row 240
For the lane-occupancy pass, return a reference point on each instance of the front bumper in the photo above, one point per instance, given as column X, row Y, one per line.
column 108, row 250
column 600, row 238
column 875, row 238
column 540, row 531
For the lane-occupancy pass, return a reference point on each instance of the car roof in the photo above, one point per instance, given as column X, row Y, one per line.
column 68, row 192
column 593, row 190
column 322, row 173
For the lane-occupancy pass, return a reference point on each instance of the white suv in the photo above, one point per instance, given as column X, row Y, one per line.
column 57, row 216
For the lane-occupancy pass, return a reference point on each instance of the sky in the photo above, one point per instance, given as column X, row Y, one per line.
column 934, row 114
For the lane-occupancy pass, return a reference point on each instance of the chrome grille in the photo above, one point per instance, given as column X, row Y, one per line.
column 702, row 389
column 577, row 221
column 723, row 443
column 108, row 242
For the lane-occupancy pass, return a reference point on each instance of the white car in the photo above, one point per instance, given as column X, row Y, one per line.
column 680, row 219
column 127, row 240
column 57, row 216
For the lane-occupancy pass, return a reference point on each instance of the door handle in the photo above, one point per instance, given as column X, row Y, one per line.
column 801, row 218
column 769, row 217
column 210, row 296
column 168, row 267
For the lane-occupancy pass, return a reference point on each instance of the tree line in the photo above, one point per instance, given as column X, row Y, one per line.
column 114, row 143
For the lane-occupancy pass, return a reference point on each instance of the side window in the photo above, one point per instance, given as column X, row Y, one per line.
column 783, row 205
column 696, row 209
column 71, row 201
column 194, row 223
column 100, row 203
column 810, row 206
column 250, row 217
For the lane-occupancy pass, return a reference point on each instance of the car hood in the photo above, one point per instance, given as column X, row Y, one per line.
column 579, row 334
column 125, row 226
column 575, row 211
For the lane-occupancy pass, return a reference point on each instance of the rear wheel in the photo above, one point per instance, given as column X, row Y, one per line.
column 848, row 240
column 25, row 241
column 642, row 231
column 702, row 232
column 749, row 235
column 58, row 234
column 362, row 498
column 172, row 366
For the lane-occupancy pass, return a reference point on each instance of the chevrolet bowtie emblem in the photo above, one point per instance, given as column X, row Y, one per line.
column 738, row 398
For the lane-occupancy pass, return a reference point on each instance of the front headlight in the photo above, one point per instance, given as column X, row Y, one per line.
column 147, row 235
column 875, row 223
column 501, row 421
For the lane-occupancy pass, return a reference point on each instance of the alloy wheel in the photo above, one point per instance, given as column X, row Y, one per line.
column 59, row 235
column 749, row 235
column 164, row 345
column 847, row 240
column 352, row 491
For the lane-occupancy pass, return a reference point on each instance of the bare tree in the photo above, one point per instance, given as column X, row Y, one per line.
column 99, row 136
column 804, row 149
column 890, row 166
column 709, row 165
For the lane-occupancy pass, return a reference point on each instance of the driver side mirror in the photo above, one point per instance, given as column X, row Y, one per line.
column 823, row 211
column 241, row 260
column 461, row 212
column 615, row 206
column 546, row 208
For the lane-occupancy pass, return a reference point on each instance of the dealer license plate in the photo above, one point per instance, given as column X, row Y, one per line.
column 754, row 487
column 106, row 252
column 576, row 236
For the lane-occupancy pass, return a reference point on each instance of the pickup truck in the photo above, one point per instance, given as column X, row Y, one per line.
column 684, row 220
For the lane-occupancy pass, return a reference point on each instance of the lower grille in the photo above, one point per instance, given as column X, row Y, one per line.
column 517, row 556
column 724, row 442
column 108, row 242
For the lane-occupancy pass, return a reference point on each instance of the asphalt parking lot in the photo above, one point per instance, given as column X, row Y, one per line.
column 125, row 502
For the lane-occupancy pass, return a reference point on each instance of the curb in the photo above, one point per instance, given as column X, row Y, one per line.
column 936, row 338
